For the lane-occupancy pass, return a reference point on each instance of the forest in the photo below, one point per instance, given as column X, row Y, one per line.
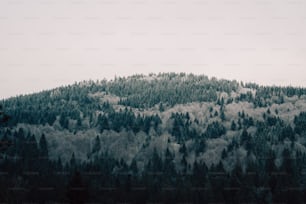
column 157, row 138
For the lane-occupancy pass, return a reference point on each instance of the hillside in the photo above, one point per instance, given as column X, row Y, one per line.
column 183, row 129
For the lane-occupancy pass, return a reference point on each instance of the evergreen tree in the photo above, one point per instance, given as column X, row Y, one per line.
column 300, row 123
column 32, row 148
column 222, row 115
column 43, row 147
column 239, row 124
column 156, row 163
column 77, row 192
column 59, row 165
column 233, row 125
column 161, row 107
column 104, row 123
column 96, row 145
column 134, row 167
column 224, row 154
column 73, row 164
column 64, row 122
column 245, row 137
column 169, row 166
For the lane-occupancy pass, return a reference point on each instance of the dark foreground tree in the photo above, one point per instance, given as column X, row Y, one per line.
column 77, row 191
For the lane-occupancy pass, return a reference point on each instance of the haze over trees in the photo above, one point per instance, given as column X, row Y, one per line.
column 155, row 138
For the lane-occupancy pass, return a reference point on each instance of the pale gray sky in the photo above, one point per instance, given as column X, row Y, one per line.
column 48, row 43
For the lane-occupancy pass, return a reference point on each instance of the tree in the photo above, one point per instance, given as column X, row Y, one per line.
column 199, row 175
column 5, row 142
column 32, row 148
column 233, row 125
column 224, row 154
column 134, row 167
column 103, row 123
column 50, row 119
column 161, row 107
column 222, row 115
column 239, row 124
column 169, row 166
column 290, row 179
column 200, row 145
column 271, row 168
column 77, row 192
column 268, row 111
column 73, row 162
column 3, row 117
column 59, row 165
column 222, row 102
column 43, row 147
column 97, row 145
column 235, row 182
column 300, row 123
column 287, row 132
column 64, row 121
column 242, row 114
column 79, row 122
column 181, row 127
column 156, row 162
column 183, row 149
column 184, row 164
column 215, row 130
column 245, row 137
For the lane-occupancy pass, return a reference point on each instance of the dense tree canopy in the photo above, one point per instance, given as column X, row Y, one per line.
column 158, row 138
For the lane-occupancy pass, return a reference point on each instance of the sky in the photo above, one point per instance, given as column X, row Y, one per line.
column 48, row 43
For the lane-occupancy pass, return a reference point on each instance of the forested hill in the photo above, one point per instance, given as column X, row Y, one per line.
column 84, row 99
column 171, row 123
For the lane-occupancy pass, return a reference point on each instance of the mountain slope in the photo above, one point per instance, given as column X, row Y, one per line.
column 162, row 123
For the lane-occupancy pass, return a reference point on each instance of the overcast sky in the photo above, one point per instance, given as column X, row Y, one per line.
column 48, row 43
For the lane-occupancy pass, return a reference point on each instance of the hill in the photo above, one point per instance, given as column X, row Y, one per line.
column 180, row 129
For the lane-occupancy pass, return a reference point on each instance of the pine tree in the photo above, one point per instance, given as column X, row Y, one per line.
column 157, row 163
column 77, row 192
column 103, row 123
column 161, row 107
column 97, row 145
column 169, row 166
column 134, row 167
column 43, row 147
column 222, row 115
column 239, row 124
column 224, row 154
column 32, row 148
column 59, row 165
column 73, row 162
column 233, row 125
column 269, row 111
column 245, row 137
column 64, row 122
